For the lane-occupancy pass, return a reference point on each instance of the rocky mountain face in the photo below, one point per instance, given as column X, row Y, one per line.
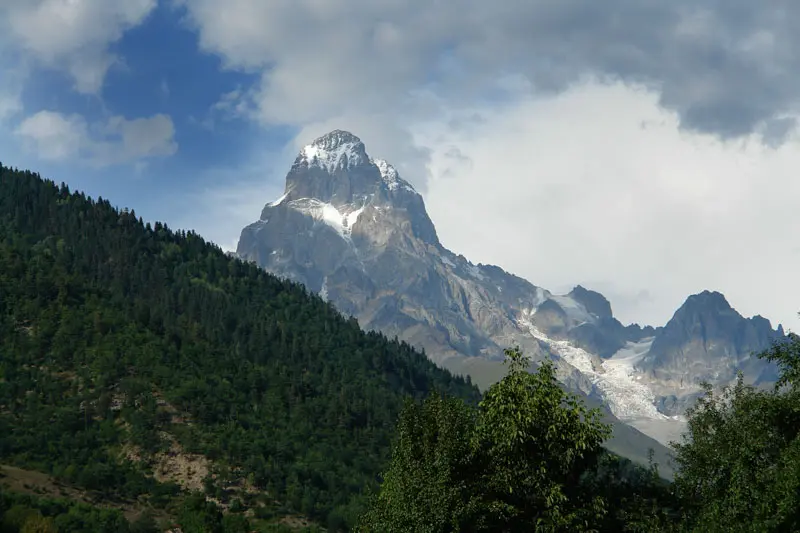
column 351, row 229
column 707, row 340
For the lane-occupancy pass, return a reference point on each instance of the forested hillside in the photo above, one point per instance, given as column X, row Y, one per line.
column 122, row 343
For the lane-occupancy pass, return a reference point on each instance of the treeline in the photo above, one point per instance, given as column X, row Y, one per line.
column 24, row 513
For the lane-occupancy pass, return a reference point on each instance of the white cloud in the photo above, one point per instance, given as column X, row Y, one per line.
column 10, row 89
column 725, row 69
column 599, row 186
column 141, row 137
column 73, row 35
column 9, row 105
column 55, row 136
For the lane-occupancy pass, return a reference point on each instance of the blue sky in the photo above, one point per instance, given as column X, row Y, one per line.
column 162, row 72
column 631, row 147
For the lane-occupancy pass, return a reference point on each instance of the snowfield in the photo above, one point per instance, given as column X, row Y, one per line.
column 628, row 394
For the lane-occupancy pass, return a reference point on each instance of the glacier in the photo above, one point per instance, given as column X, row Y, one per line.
column 627, row 393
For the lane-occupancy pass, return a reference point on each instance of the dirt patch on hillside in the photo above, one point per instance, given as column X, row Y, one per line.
column 187, row 470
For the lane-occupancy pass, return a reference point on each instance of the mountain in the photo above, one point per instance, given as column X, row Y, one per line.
column 139, row 364
column 351, row 229
column 703, row 332
column 707, row 340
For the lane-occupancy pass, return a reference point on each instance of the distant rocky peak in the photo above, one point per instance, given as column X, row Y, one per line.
column 709, row 311
column 718, row 338
column 336, row 169
column 335, row 139
column 594, row 302
column 334, row 182
column 707, row 301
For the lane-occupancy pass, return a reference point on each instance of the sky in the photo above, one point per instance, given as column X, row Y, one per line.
column 645, row 149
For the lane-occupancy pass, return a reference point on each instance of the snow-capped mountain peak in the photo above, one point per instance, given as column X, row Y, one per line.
column 332, row 182
column 334, row 150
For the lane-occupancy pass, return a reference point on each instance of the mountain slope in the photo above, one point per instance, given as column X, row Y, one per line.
column 352, row 230
column 123, row 346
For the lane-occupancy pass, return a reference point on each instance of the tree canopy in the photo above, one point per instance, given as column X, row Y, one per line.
column 739, row 463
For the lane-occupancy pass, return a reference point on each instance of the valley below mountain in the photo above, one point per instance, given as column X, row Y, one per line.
column 352, row 230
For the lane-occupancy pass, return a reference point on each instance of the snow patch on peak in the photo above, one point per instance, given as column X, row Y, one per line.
column 615, row 378
column 575, row 310
column 391, row 177
column 323, row 293
column 341, row 221
column 343, row 156
column 279, row 201
column 541, row 296
column 334, row 150
column 336, row 138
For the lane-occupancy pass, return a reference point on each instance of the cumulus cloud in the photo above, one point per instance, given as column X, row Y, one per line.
column 726, row 69
column 644, row 148
column 57, row 137
column 71, row 35
column 9, row 105
column 599, row 186
column 11, row 83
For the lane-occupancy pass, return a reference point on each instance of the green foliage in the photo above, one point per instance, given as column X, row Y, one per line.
column 18, row 512
column 528, row 458
column 539, row 442
column 786, row 354
column 740, row 462
column 199, row 516
column 16, row 517
column 106, row 323
column 38, row 524
column 430, row 484
column 637, row 499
